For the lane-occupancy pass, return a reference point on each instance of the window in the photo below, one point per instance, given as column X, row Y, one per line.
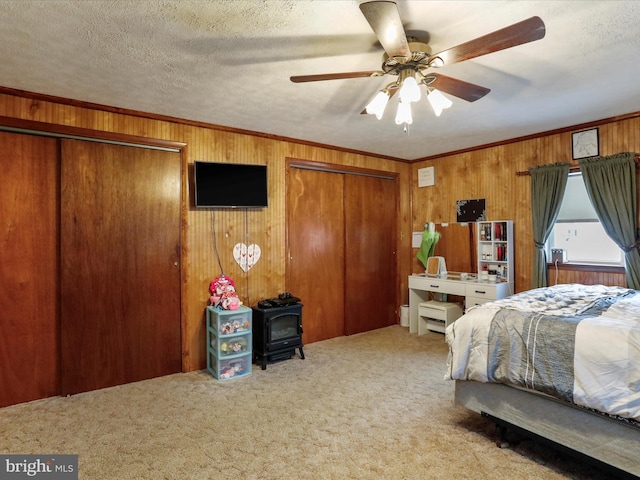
column 578, row 231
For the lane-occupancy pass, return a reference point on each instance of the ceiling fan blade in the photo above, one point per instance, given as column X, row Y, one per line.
column 458, row 88
column 333, row 76
column 384, row 19
column 522, row 32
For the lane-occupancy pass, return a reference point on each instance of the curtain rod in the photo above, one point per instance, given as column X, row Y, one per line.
column 527, row 173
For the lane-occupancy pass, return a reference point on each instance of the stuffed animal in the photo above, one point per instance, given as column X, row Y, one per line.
column 223, row 293
column 231, row 370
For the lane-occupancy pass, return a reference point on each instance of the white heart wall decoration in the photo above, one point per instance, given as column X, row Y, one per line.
column 246, row 257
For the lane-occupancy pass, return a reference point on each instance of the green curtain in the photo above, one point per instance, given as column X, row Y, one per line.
column 611, row 185
column 548, row 183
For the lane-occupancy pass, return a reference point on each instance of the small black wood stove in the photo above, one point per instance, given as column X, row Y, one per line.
column 277, row 332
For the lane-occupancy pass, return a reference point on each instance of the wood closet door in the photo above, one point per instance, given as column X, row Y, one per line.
column 29, row 340
column 120, row 257
column 370, row 218
column 315, row 270
column 342, row 261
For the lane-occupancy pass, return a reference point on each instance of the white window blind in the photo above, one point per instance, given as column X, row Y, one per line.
column 576, row 205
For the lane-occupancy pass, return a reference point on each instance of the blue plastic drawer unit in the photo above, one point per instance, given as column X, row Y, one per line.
column 229, row 342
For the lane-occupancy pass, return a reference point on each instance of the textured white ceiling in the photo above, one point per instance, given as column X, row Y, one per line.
column 228, row 63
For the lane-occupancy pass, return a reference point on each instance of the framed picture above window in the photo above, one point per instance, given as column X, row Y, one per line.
column 585, row 144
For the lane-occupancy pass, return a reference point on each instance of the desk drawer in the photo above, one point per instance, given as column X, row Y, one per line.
column 472, row 301
column 482, row 291
column 443, row 286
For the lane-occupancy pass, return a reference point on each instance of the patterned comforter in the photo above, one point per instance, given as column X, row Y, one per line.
column 579, row 343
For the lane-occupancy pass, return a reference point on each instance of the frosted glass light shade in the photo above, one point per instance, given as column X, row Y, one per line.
column 438, row 101
column 410, row 91
column 403, row 115
column 378, row 104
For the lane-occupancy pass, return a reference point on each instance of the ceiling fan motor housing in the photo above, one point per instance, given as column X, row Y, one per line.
column 419, row 60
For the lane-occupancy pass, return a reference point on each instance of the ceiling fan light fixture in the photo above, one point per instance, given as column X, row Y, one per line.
column 438, row 101
column 403, row 115
column 378, row 104
column 408, row 58
column 409, row 91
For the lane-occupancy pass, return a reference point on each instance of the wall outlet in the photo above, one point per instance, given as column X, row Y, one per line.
column 558, row 255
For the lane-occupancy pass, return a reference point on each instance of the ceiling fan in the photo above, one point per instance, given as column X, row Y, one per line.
column 410, row 60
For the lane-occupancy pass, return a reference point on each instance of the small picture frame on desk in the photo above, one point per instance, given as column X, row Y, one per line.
column 585, row 144
column 436, row 266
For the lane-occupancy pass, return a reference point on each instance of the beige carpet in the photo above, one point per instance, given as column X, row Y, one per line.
column 369, row 406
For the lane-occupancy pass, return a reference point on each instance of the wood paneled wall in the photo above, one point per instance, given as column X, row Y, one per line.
column 266, row 227
column 490, row 173
column 595, row 277
column 486, row 173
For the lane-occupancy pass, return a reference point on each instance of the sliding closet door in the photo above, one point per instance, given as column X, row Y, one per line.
column 29, row 340
column 370, row 218
column 120, row 274
column 341, row 231
column 315, row 270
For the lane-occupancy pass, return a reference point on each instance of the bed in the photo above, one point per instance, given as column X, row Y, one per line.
column 561, row 362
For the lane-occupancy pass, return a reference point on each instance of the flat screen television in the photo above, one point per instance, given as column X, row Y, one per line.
column 230, row 185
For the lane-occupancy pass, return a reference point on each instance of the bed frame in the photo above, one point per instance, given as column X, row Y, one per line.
column 604, row 439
